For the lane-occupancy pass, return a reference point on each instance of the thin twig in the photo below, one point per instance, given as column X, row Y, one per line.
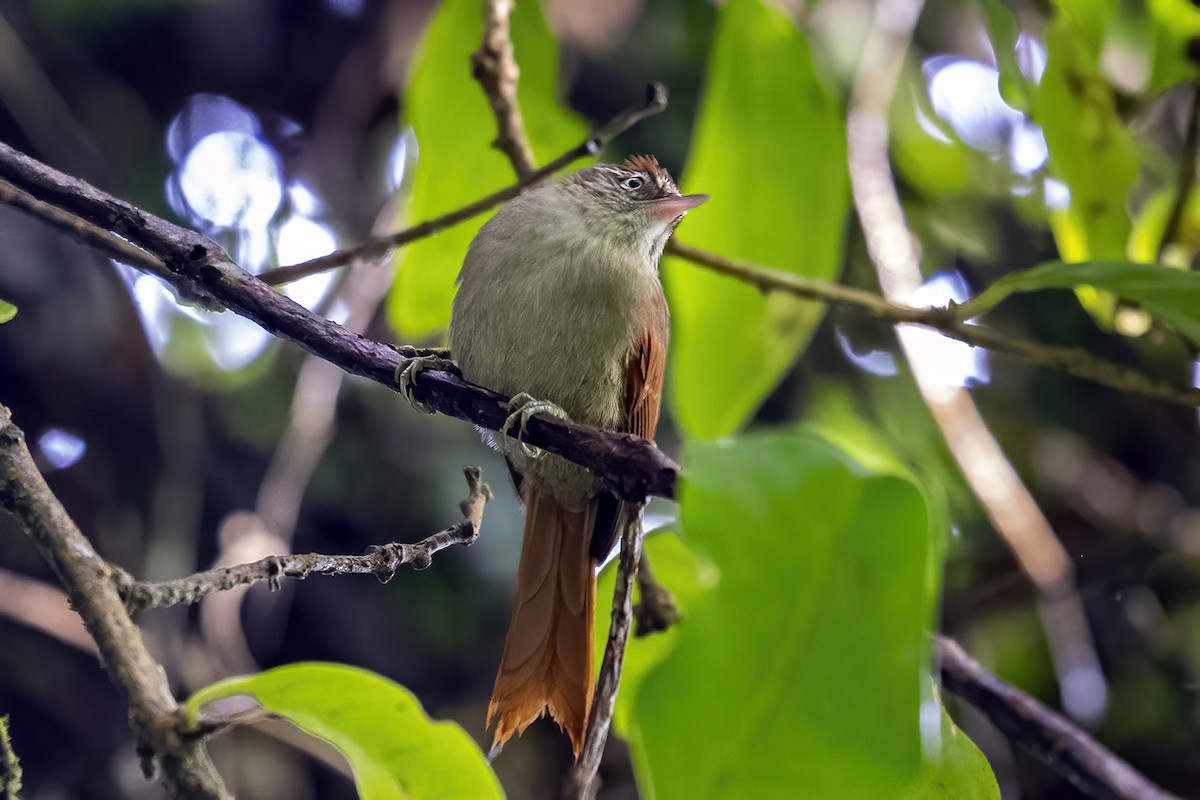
column 656, row 101
column 186, row 768
column 1186, row 176
column 10, row 766
column 582, row 782
column 1042, row 733
column 382, row 561
column 496, row 70
column 1071, row 360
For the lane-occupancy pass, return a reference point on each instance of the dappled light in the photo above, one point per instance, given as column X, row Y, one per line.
column 60, row 448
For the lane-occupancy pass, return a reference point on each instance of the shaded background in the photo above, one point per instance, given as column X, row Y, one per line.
column 178, row 439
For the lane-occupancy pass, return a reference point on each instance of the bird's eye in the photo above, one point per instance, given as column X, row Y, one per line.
column 632, row 183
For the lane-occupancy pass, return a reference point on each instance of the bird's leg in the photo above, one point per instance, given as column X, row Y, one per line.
column 417, row 361
column 524, row 407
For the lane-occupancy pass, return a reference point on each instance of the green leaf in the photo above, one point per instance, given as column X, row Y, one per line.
column 1172, row 295
column 1090, row 151
column 953, row 769
column 7, row 311
column 770, row 149
column 395, row 750
column 799, row 673
column 454, row 129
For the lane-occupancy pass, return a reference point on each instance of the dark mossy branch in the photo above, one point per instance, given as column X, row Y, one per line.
column 185, row 766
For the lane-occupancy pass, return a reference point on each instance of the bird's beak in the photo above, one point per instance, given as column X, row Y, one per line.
column 666, row 209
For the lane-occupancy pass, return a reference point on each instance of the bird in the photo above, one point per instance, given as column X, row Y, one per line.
column 559, row 305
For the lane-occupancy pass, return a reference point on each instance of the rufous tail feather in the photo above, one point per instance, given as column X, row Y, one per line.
column 547, row 661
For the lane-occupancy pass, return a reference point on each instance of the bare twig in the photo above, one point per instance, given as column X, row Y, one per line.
column 582, row 782
column 656, row 101
column 10, row 766
column 1186, row 176
column 382, row 561
column 496, row 70
column 1042, row 733
column 186, row 768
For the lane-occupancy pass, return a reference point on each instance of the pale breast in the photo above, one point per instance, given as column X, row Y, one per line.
column 560, row 328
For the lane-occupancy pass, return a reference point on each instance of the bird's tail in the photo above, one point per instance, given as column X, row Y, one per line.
column 547, row 661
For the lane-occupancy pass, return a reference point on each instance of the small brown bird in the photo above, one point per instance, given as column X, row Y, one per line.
column 559, row 305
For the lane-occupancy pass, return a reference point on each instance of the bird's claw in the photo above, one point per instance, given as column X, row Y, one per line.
column 408, row 370
column 523, row 408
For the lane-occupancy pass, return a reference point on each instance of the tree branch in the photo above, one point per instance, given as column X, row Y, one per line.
column 496, row 70
column 629, row 466
column 582, row 782
column 382, row 561
column 1071, row 360
column 186, row 768
column 1042, row 733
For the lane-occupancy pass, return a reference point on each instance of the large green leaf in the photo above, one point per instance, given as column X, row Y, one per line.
column 395, row 750
column 456, row 164
column 7, row 311
column 1090, row 151
column 1172, row 295
column 798, row 673
column 770, row 149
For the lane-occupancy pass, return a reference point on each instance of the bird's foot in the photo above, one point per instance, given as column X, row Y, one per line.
column 523, row 408
column 416, row 363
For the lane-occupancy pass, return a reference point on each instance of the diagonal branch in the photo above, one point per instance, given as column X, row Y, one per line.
column 187, row 771
column 1037, row 730
column 382, row 561
column 1071, row 360
column 630, row 467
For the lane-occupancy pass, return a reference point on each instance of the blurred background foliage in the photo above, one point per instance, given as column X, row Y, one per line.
column 284, row 129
